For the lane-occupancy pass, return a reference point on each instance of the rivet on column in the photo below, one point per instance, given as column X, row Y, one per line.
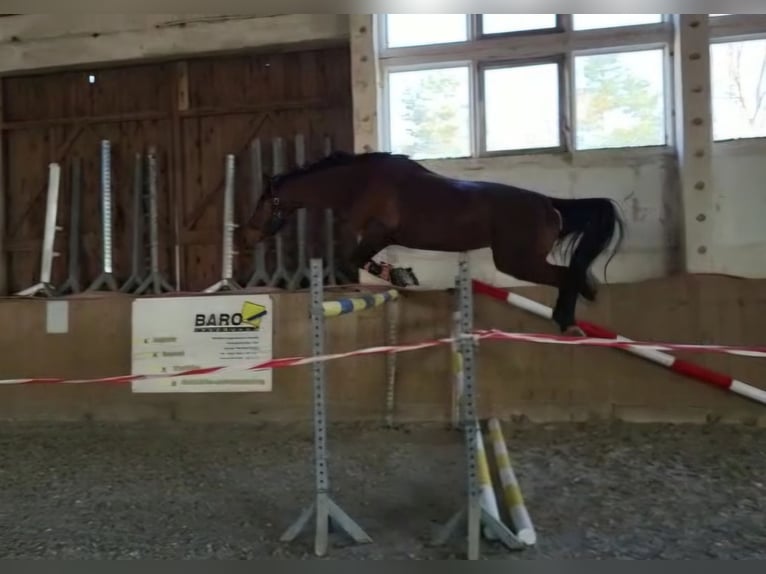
column 701, row 217
column 702, row 250
column 699, row 185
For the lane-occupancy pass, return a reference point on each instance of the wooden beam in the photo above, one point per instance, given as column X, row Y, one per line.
column 365, row 82
column 114, row 38
column 694, row 140
column 3, row 252
column 179, row 100
column 259, row 108
column 92, row 120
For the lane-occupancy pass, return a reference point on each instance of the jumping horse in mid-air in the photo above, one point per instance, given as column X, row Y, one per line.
column 387, row 199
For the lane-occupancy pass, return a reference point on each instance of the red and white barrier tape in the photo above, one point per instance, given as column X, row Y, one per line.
column 478, row 335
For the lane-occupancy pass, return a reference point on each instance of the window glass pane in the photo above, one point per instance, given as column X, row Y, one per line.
column 522, row 107
column 593, row 21
column 500, row 23
column 423, row 29
column 738, row 81
column 429, row 112
column 620, row 99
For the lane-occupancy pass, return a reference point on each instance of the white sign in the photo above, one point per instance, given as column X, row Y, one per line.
column 175, row 334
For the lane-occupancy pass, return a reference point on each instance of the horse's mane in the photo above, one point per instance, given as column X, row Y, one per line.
column 335, row 159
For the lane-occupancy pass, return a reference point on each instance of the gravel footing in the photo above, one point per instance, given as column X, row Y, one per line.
column 183, row 491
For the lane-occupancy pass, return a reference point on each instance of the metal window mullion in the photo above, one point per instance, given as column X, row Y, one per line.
column 567, row 91
column 481, row 106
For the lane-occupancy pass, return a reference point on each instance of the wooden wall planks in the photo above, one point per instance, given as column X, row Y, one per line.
column 215, row 105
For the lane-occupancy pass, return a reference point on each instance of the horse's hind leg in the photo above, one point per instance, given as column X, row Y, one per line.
column 535, row 269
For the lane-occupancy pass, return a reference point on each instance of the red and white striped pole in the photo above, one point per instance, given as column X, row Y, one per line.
column 680, row 366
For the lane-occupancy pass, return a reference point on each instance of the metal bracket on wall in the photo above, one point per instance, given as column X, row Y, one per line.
column 260, row 275
column 279, row 164
column 72, row 284
column 155, row 278
column 227, row 281
column 106, row 279
column 49, row 236
column 137, row 260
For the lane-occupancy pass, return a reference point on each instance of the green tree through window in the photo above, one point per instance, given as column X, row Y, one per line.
column 432, row 110
column 616, row 107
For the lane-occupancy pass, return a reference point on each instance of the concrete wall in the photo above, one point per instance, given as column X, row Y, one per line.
column 739, row 180
column 543, row 382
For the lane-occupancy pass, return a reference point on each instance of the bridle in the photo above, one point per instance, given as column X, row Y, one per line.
column 277, row 216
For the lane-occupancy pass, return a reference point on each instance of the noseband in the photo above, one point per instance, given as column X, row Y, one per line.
column 277, row 217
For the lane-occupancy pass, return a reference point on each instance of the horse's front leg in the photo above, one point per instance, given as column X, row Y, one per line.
column 361, row 247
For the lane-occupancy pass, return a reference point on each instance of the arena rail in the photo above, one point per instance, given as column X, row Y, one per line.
column 679, row 366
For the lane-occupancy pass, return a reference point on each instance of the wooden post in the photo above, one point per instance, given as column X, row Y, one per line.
column 3, row 254
column 179, row 102
column 364, row 79
column 694, row 140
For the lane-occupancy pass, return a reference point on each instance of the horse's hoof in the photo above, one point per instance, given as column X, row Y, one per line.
column 401, row 277
column 574, row 331
column 412, row 276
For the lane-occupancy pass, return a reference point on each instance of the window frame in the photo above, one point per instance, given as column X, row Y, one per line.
column 560, row 27
column 385, row 99
column 510, row 49
column 732, row 28
column 668, row 94
column 481, row 108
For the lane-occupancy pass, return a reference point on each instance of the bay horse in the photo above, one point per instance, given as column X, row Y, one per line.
column 389, row 199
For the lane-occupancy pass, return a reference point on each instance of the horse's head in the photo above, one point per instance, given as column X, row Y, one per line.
column 269, row 216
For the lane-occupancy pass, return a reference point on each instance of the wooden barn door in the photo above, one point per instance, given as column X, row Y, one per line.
column 63, row 116
column 193, row 112
column 232, row 101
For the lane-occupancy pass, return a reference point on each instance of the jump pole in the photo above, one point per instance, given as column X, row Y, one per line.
column 679, row 366
column 324, row 509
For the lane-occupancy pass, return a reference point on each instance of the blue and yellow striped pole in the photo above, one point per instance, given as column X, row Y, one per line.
column 353, row 304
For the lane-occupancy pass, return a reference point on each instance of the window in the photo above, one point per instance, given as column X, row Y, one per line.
column 593, row 21
column 429, row 112
column 505, row 23
column 522, row 107
column 738, row 79
column 467, row 85
column 620, row 99
column 423, row 29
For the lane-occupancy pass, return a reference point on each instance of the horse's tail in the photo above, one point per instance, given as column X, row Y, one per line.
column 594, row 222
